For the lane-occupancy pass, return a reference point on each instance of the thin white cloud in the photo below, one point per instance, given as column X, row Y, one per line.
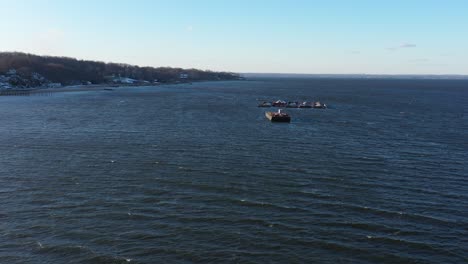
column 402, row 46
column 408, row 45
column 420, row 60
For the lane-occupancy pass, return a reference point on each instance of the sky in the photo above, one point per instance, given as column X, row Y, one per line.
column 287, row 36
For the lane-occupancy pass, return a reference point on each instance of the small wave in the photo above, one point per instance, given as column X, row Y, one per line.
column 314, row 193
column 250, row 203
column 104, row 259
column 64, row 249
column 363, row 226
column 79, row 252
column 392, row 214
column 417, row 245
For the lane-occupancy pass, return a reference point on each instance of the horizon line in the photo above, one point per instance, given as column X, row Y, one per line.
column 358, row 74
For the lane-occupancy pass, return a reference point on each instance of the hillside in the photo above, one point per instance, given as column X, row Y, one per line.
column 28, row 70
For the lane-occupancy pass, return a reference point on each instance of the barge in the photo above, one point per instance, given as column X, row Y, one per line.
column 278, row 116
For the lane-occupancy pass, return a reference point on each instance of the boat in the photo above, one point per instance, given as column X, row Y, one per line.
column 265, row 104
column 278, row 116
column 279, row 103
column 305, row 105
column 319, row 105
column 292, row 105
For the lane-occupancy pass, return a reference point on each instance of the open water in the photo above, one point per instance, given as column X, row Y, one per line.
column 197, row 174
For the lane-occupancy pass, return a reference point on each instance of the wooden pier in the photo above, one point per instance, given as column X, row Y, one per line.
column 15, row 93
column 35, row 92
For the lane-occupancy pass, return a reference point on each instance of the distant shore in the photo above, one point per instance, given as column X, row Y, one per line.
column 78, row 88
column 70, row 88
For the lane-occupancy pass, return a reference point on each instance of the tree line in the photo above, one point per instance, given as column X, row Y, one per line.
column 67, row 70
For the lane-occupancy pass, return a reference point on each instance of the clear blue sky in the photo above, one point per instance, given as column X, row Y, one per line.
column 392, row 37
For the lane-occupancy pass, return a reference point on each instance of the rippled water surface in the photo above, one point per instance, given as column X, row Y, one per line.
column 196, row 173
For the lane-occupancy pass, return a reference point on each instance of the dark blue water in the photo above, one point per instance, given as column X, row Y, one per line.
column 196, row 173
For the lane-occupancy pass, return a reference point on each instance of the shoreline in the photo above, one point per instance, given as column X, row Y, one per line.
column 91, row 87
column 84, row 88
column 70, row 88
